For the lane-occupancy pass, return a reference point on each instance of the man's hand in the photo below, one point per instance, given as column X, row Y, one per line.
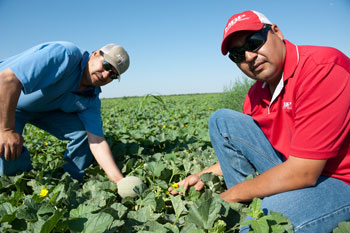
column 11, row 144
column 195, row 180
column 192, row 180
column 10, row 141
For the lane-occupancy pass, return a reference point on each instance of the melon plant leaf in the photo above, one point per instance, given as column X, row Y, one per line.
column 117, row 210
column 91, row 223
column 178, row 205
column 343, row 227
column 172, row 228
column 98, row 223
column 81, row 210
column 193, row 194
column 205, row 211
column 219, row 227
column 212, row 181
column 259, row 226
column 28, row 210
column 7, row 212
column 278, row 222
column 154, row 226
column 143, row 215
column 156, row 168
column 255, row 209
column 190, row 227
column 149, row 200
column 5, row 182
column 50, row 224
column 37, row 226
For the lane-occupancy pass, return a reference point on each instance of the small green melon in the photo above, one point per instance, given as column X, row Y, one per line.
column 126, row 186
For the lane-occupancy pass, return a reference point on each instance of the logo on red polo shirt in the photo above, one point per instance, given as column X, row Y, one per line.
column 287, row 105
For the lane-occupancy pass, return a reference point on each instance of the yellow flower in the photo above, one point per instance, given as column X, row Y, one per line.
column 45, row 143
column 176, row 185
column 44, row 192
column 186, row 125
column 163, row 126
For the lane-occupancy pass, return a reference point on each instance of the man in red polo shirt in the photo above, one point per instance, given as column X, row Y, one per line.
column 295, row 130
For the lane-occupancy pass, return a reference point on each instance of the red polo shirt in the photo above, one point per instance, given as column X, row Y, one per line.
column 309, row 114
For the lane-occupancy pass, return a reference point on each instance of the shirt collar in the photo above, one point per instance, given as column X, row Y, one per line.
column 291, row 61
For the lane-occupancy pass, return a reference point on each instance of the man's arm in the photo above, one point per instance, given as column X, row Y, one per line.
column 103, row 155
column 10, row 89
column 295, row 173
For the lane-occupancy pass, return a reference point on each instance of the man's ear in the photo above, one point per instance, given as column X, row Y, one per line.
column 277, row 31
column 97, row 52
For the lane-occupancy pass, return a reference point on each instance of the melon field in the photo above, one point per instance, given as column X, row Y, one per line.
column 159, row 139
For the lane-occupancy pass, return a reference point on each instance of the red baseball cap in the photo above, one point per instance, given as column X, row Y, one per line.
column 245, row 21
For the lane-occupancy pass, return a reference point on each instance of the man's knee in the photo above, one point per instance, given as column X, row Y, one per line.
column 20, row 164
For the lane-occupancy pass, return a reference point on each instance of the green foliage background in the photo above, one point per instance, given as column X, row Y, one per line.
column 159, row 139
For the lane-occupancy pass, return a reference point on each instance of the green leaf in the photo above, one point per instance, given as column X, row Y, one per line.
column 191, row 228
column 343, row 227
column 219, row 227
column 50, row 224
column 259, row 226
column 156, row 227
column 178, row 205
column 92, row 223
column 7, row 213
column 212, row 181
column 255, row 209
column 149, row 200
column 82, row 210
column 46, row 209
column 143, row 215
column 98, row 223
column 117, row 210
column 205, row 211
column 28, row 210
column 156, row 168
column 278, row 221
column 171, row 227
column 193, row 194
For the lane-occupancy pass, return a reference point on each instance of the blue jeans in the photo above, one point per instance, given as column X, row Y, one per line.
column 64, row 126
column 243, row 149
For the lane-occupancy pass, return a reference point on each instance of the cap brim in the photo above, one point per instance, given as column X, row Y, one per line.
column 250, row 27
column 110, row 61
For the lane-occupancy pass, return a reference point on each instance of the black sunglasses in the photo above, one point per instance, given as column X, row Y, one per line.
column 108, row 67
column 253, row 43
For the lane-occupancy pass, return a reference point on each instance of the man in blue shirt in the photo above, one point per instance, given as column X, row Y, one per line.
column 55, row 86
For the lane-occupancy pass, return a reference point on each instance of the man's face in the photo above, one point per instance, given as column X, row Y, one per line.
column 96, row 74
column 265, row 64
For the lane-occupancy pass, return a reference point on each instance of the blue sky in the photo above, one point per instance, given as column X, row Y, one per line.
column 174, row 46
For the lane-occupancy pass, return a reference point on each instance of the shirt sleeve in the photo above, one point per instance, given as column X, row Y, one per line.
column 91, row 117
column 41, row 67
column 321, row 112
